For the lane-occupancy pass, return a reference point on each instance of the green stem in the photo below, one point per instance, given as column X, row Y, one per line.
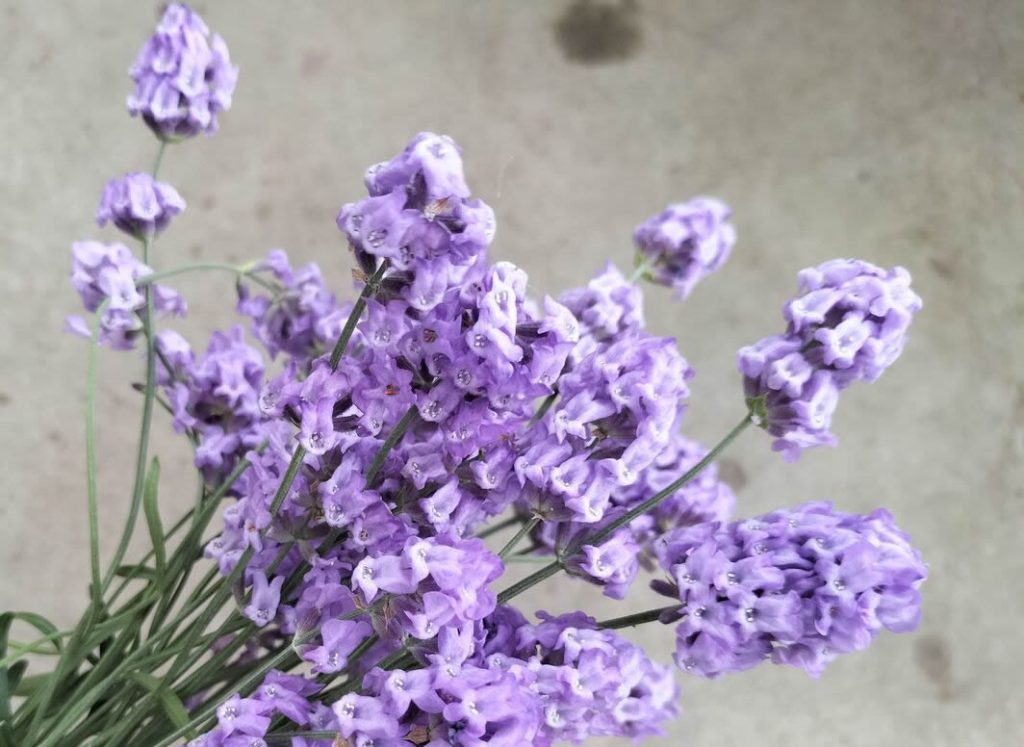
column 159, row 157
column 637, row 618
column 240, row 272
column 372, row 284
column 524, row 530
column 642, row 269
column 389, row 443
column 286, row 736
column 665, row 493
column 544, row 407
column 90, row 461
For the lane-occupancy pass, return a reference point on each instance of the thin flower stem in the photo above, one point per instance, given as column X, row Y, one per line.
column 159, row 158
column 241, row 272
column 524, row 530
column 642, row 269
column 90, row 460
column 599, row 538
column 519, row 558
column 544, row 407
column 638, row 618
column 283, row 659
column 372, row 284
column 287, row 736
column 390, row 442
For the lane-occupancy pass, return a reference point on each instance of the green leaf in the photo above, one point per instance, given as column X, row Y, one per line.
column 156, row 529
column 136, row 571
column 10, row 676
column 7, row 735
column 172, row 705
column 14, row 675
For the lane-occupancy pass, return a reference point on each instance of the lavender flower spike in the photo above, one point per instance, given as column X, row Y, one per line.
column 849, row 323
column 686, row 242
column 139, row 205
column 183, row 77
column 108, row 272
column 798, row 586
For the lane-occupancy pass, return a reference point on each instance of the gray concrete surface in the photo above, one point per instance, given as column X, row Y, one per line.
column 888, row 130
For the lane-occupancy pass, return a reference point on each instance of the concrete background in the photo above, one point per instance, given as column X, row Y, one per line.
column 888, row 130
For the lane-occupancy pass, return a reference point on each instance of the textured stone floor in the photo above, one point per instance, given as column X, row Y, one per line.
column 879, row 129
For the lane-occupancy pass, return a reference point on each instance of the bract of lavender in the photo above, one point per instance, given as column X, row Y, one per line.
column 353, row 598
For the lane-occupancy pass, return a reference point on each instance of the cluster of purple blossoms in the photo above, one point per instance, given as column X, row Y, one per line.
column 797, row 586
column 107, row 275
column 215, row 397
column 458, row 398
column 139, row 205
column 685, row 242
column 614, row 564
column 183, row 77
column 848, row 323
column 244, row 721
column 301, row 317
column 510, row 683
column 432, row 583
column 615, row 413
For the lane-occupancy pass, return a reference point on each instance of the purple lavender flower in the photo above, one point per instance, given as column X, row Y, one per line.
column 615, row 413
column 848, row 323
column 340, row 639
column 216, row 397
column 686, row 242
column 266, row 596
column 109, row 273
column 139, row 205
column 418, row 217
column 798, row 586
column 594, row 683
column 183, row 77
column 299, row 318
column 448, row 577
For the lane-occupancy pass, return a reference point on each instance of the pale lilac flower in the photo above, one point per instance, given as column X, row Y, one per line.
column 686, row 242
column 798, row 586
column 848, row 323
column 110, row 273
column 183, row 77
column 139, row 205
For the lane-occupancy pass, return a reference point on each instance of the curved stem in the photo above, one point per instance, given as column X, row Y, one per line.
column 240, row 272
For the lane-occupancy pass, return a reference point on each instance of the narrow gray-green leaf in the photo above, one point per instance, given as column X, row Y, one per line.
column 149, row 505
column 136, row 571
column 171, row 703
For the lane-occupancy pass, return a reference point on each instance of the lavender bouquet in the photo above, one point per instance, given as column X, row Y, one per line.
column 370, row 489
